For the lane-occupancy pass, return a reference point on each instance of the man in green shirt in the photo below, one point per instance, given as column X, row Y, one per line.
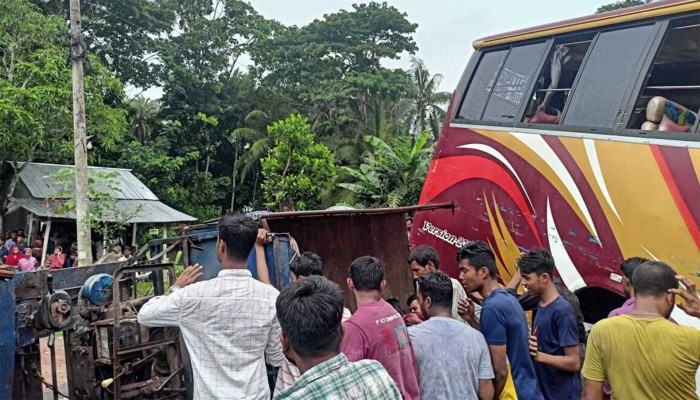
column 310, row 312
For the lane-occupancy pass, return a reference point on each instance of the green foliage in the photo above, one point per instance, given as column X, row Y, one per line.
column 620, row 5
column 104, row 213
column 391, row 174
column 297, row 169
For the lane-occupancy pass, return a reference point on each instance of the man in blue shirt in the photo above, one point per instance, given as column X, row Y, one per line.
column 554, row 340
column 502, row 322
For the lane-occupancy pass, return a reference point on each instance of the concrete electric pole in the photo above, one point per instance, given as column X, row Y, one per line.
column 77, row 53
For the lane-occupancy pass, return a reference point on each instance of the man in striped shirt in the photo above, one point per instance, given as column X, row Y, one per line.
column 309, row 312
column 305, row 265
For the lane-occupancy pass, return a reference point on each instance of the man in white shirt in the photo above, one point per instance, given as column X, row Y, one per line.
column 228, row 323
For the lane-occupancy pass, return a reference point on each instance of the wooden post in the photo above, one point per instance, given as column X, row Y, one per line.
column 133, row 237
column 47, row 235
column 77, row 53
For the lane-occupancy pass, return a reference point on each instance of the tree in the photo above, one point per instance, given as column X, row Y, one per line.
column 331, row 68
column 36, row 95
column 426, row 102
column 143, row 118
column 620, row 5
column 391, row 174
column 297, row 169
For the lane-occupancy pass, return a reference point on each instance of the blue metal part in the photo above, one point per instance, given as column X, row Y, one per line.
column 202, row 251
column 98, row 289
column 7, row 337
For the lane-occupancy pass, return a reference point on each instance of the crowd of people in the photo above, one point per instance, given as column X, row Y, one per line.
column 465, row 339
column 17, row 254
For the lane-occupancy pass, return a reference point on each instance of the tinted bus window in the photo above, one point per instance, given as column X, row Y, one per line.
column 606, row 77
column 671, row 96
column 554, row 83
column 481, row 84
column 515, row 77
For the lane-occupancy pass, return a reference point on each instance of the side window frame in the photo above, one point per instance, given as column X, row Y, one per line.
column 622, row 106
column 692, row 134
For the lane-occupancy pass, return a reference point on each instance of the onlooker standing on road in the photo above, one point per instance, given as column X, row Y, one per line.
column 13, row 258
column 28, row 263
column 228, row 323
column 642, row 354
column 310, row 311
column 57, row 259
column 303, row 266
column 554, row 342
column 446, row 348
column 628, row 266
column 376, row 331
column 502, row 322
column 424, row 259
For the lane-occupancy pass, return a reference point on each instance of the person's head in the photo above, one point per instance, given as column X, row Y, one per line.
column 27, row 252
column 127, row 251
column 396, row 303
column 20, row 239
column 366, row 275
column 237, row 235
column 58, row 250
column 73, row 255
column 435, row 294
column 422, row 260
column 306, row 264
column 627, row 267
column 413, row 304
column 537, row 269
column 651, row 281
column 13, row 235
column 477, row 265
column 14, row 249
column 47, row 263
column 409, row 223
column 310, row 312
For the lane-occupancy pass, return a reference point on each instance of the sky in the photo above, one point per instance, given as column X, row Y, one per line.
column 446, row 28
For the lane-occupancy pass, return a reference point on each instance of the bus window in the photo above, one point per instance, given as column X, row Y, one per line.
column 509, row 91
column 555, row 82
column 606, row 77
column 481, row 84
column 671, row 97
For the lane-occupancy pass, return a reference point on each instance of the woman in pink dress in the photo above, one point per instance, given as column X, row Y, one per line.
column 28, row 263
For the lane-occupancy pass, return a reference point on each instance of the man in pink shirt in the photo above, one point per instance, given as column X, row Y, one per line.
column 376, row 331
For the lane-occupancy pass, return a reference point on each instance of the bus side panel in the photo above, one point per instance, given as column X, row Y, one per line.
column 592, row 203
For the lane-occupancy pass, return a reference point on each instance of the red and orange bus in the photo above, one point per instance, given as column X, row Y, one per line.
column 580, row 137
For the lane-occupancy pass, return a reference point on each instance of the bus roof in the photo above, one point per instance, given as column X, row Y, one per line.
column 654, row 9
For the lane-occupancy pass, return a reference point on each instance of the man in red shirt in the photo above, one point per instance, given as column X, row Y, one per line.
column 376, row 331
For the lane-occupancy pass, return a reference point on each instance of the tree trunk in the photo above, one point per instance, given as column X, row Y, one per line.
column 289, row 161
column 9, row 175
column 362, row 123
column 233, row 178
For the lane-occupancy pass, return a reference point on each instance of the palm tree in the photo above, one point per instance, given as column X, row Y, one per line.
column 425, row 101
column 257, row 141
column 143, row 118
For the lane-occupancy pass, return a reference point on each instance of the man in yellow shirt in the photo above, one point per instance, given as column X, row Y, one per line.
column 642, row 354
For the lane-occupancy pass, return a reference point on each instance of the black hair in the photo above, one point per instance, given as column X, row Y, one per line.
column 629, row 265
column 438, row 287
column 424, row 254
column 653, row 278
column 307, row 264
column 537, row 261
column 310, row 311
column 367, row 273
column 397, row 305
column 411, row 299
column 239, row 232
column 479, row 255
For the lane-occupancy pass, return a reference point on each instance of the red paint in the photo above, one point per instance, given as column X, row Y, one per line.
column 677, row 197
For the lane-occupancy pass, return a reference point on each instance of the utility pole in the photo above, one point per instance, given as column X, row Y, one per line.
column 77, row 53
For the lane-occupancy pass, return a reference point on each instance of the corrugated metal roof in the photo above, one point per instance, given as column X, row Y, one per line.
column 150, row 211
column 36, row 177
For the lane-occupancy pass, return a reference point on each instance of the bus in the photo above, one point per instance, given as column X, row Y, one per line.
column 581, row 137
